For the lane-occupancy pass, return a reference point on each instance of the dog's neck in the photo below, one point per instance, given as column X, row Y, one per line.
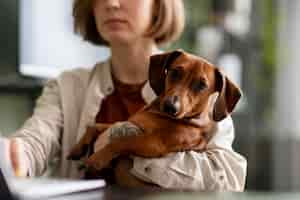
column 206, row 116
column 200, row 120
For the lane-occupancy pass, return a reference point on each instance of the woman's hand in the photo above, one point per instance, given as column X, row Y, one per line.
column 18, row 163
column 117, row 130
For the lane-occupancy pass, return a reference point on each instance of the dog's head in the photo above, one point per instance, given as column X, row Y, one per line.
column 186, row 84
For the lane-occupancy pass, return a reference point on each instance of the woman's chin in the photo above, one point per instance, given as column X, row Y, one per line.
column 118, row 40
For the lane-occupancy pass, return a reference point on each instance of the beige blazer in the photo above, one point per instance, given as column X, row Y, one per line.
column 70, row 102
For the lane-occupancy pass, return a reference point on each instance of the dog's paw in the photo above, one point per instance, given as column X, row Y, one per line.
column 97, row 164
column 78, row 152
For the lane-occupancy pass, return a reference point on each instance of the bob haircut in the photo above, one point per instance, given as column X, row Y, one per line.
column 167, row 26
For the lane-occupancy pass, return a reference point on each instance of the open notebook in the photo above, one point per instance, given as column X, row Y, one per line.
column 38, row 188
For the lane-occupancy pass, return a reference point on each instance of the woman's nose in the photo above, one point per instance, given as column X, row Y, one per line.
column 113, row 4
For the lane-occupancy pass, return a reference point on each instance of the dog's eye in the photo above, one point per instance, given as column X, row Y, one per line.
column 198, row 86
column 174, row 74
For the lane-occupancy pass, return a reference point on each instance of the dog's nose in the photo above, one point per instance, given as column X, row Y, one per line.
column 171, row 105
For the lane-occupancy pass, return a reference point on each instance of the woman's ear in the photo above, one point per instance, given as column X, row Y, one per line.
column 229, row 95
column 158, row 67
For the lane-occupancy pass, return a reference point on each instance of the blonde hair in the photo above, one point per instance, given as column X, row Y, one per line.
column 167, row 26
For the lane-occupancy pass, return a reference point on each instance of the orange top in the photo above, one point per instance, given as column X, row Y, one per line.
column 122, row 103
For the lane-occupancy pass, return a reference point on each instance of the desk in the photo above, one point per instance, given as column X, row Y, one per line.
column 118, row 193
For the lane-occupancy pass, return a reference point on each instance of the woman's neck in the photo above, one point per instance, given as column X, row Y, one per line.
column 130, row 62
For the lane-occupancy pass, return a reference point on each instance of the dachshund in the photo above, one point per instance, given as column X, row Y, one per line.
column 192, row 96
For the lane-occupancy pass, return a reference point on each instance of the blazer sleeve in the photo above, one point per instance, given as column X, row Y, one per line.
column 40, row 135
column 217, row 169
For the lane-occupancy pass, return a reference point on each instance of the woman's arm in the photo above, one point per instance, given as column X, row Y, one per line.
column 39, row 138
column 219, row 168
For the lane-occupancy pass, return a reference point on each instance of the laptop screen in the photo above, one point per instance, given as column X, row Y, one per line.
column 4, row 191
column 5, row 164
column 4, row 171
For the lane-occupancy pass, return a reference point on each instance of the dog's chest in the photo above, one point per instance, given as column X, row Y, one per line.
column 152, row 123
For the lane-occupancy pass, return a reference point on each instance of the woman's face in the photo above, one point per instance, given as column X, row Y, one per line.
column 123, row 21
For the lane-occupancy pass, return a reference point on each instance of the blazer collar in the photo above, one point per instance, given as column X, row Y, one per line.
column 107, row 87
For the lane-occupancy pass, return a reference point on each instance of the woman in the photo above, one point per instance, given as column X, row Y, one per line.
column 112, row 91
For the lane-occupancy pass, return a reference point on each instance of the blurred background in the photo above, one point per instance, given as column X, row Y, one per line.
column 255, row 42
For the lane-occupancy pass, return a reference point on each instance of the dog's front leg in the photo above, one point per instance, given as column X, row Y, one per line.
column 88, row 139
column 119, row 138
column 122, row 145
column 102, row 158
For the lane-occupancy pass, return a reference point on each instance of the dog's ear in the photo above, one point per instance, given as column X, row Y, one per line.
column 158, row 69
column 229, row 95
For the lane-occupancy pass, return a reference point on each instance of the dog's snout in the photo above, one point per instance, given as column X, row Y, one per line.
column 171, row 105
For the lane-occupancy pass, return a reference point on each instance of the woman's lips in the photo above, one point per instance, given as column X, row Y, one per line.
column 115, row 21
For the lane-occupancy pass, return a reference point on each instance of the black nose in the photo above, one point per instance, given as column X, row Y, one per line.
column 171, row 105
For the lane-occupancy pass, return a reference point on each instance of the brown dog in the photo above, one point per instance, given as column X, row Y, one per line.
column 192, row 96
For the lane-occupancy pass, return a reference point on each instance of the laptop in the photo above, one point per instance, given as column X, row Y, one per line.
column 12, row 188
